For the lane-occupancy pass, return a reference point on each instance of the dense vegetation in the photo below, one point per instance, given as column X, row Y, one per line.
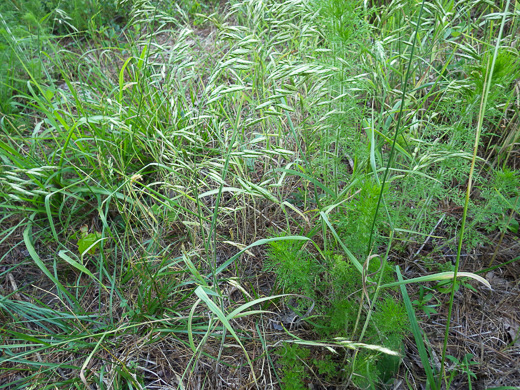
column 259, row 194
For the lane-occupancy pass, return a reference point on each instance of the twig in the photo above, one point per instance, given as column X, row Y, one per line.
column 429, row 236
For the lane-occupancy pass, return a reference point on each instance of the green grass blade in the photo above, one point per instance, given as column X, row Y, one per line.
column 349, row 254
column 416, row 331
column 440, row 276
column 27, row 233
column 202, row 294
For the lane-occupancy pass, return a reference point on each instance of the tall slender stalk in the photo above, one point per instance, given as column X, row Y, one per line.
column 482, row 111
column 394, row 140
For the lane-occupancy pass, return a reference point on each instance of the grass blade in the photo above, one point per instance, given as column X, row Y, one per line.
column 416, row 331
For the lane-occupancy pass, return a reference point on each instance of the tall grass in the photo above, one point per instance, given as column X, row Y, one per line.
column 146, row 172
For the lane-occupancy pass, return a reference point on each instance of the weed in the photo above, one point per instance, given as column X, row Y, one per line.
column 146, row 146
column 335, row 286
column 422, row 302
column 463, row 367
column 294, row 371
column 354, row 221
column 296, row 269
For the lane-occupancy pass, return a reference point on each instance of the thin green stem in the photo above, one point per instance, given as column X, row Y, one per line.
column 394, row 141
column 487, row 85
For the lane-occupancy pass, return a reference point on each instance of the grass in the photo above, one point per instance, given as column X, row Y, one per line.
column 257, row 194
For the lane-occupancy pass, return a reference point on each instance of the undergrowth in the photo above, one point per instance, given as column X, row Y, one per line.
column 332, row 288
column 249, row 193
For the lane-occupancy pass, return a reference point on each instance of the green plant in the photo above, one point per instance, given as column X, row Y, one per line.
column 485, row 94
column 464, row 367
column 334, row 287
column 87, row 241
column 293, row 367
column 183, row 139
column 296, row 270
column 422, row 302
column 354, row 221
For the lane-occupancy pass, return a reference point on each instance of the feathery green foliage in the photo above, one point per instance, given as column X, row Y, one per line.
column 228, row 187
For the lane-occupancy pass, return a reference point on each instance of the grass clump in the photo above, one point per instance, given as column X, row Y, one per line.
column 217, row 194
